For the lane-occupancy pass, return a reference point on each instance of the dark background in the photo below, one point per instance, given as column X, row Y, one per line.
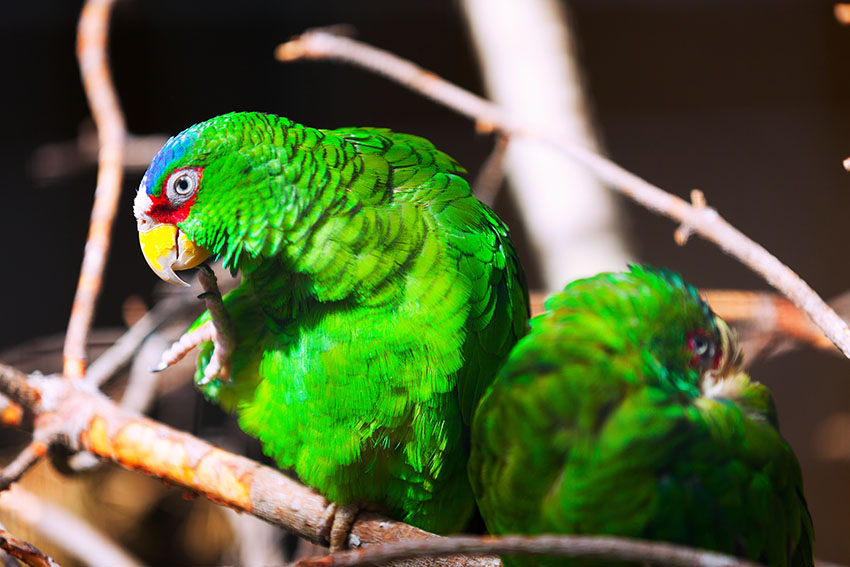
column 748, row 101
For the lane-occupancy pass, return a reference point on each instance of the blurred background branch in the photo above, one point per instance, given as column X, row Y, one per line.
column 532, row 72
column 92, row 41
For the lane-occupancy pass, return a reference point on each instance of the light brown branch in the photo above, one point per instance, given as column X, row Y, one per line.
column 598, row 547
column 85, row 420
column 15, row 385
column 769, row 314
column 24, row 551
column 92, row 37
column 702, row 220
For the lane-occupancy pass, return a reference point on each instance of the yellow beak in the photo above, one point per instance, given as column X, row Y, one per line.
column 166, row 249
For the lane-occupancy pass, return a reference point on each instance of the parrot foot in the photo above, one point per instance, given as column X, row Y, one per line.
column 337, row 521
column 219, row 331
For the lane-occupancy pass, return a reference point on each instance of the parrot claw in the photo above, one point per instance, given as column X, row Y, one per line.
column 219, row 331
column 338, row 521
column 219, row 365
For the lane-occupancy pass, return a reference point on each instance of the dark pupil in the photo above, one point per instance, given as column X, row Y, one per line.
column 182, row 184
column 700, row 346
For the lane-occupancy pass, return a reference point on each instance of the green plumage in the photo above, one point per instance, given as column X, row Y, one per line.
column 378, row 300
column 607, row 420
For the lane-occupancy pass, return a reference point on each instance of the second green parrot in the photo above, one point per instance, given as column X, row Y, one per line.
column 623, row 412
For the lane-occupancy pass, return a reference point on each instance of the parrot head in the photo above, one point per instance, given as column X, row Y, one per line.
column 164, row 200
column 658, row 316
column 198, row 196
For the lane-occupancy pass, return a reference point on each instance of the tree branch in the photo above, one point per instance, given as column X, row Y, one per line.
column 84, row 420
column 28, row 457
column 701, row 220
column 24, row 551
column 598, row 547
column 15, row 385
column 92, row 35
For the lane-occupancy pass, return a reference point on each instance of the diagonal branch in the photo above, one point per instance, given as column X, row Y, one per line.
column 91, row 52
column 25, row 460
column 701, row 220
column 84, row 420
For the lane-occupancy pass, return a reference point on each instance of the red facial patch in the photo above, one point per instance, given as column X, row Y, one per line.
column 163, row 210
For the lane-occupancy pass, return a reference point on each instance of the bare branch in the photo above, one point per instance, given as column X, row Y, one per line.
column 599, row 547
column 92, row 37
column 24, row 551
column 14, row 384
column 702, row 220
column 120, row 354
column 28, row 457
column 55, row 161
column 85, row 420
column 492, row 173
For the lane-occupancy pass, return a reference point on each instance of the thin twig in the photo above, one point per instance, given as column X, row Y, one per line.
column 491, row 176
column 702, row 220
column 599, row 547
column 119, row 355
column 52, row 162
column 24, row 551
column 66, row 530
column 25, row 460
column 92, row 38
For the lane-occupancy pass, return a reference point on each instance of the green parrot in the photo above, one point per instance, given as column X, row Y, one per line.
column 378, row 300
column 624, row 412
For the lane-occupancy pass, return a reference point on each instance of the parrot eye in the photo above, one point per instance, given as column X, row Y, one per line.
column 706, row 353
column 181, row 184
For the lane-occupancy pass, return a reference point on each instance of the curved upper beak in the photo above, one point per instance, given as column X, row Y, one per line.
column 166, row 249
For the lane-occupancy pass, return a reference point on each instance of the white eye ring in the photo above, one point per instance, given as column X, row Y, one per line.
column 701, row 345
column 182, row 183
